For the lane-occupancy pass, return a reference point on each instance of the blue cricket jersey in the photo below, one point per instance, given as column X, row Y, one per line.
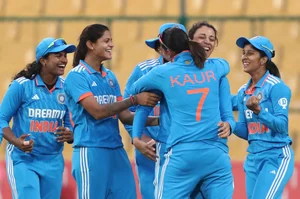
column 81, row 82
column 269, row 128
column 192, row 95
column 36, row 111
column 140, row 70
column 164, row 130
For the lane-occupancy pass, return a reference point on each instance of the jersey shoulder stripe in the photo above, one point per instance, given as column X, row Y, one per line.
column 21, row 80
column 272, row 80
column 78, row 69
column 148, row 64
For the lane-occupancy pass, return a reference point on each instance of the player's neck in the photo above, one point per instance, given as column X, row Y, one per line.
column 94, row 63
column 257, row 76
column 48, row 79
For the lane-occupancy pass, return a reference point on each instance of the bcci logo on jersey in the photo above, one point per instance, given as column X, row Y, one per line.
column 111, row 83
column 61, row 98
column 283, row 103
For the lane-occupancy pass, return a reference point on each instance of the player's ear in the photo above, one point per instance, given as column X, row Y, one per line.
column 263, row 60
column 89, row 45
column 43, row 61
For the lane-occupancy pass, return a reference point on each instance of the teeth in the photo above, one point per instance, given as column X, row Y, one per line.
column 206, row 48
column 108, row 50
column 62, row 65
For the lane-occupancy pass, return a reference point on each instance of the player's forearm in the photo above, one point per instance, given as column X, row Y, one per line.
column 9, row 135
column 108, row 110
column 275, row 123
column 241, row 130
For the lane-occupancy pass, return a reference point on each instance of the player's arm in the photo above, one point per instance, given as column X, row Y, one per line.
column 78, row 88
column 135, row 75
column 225, row 109
column 151, row 81
column 241, row 129
column 278, row 121
column 234, row 102
column 10, row 105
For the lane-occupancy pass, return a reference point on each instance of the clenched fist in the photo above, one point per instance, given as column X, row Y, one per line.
column 253, row 104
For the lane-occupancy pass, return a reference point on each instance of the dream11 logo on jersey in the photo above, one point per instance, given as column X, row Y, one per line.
column 41, row 123
column 255, row 127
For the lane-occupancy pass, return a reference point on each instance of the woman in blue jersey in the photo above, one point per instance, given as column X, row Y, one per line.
column 263, row 105
column 144, row 147
column 100, row 164
column 36, row 102
column 195, row 153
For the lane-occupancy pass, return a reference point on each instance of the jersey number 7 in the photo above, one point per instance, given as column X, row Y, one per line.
column 204, row 92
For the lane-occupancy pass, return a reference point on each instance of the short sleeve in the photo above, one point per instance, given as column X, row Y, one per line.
column 76, row 85
column 11, row 102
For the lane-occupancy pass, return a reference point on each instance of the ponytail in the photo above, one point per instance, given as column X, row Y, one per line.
column 80, row 53
column 273, row 69
column 30, row 71
column 198, row 53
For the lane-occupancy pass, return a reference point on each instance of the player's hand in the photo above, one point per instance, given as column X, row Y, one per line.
column 224, row 129
column 24, row 145
column 64, row 134
column 147, row 99
column 253, row 104
column 146, row 148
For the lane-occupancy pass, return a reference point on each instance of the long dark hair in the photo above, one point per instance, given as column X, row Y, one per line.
column 177, row 41
column 90, row 33
column 31, row 70
column 270, row 66
column 198, row 25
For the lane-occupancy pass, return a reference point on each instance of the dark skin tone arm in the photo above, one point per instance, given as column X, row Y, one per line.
column 20, row 142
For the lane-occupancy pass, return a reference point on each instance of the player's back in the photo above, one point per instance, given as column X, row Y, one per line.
column 192, row 95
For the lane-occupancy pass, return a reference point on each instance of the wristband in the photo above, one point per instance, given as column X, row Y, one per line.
column 132, row 99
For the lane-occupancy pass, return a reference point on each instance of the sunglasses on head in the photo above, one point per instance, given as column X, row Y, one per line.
column 161, row 42
column 272, row 51
column 55, row 43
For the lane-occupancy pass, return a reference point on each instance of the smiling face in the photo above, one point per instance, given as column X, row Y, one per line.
column 252, row 60
column 102, row 48
column 206, row 37
column 54, row 63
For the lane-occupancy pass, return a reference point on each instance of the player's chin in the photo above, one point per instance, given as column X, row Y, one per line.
column 60, row 72
column 108, row 57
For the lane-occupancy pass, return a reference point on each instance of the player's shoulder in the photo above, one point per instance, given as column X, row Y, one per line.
column 220, row 65
column 21, row 80
column 217, row 60
column 78, row 69
column 148, row 64
column 272, row 82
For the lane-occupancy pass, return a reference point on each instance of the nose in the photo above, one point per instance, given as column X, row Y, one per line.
column 111, row 44
column 64, row 59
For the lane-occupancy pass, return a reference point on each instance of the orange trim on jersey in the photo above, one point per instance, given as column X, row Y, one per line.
column 85, row 95
column 250, row 90
column 82, row 64
column 71, row 120
column 36, row 81
column 103, row 73
column 265, row 80
column 52, row 89
column 120, row 98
